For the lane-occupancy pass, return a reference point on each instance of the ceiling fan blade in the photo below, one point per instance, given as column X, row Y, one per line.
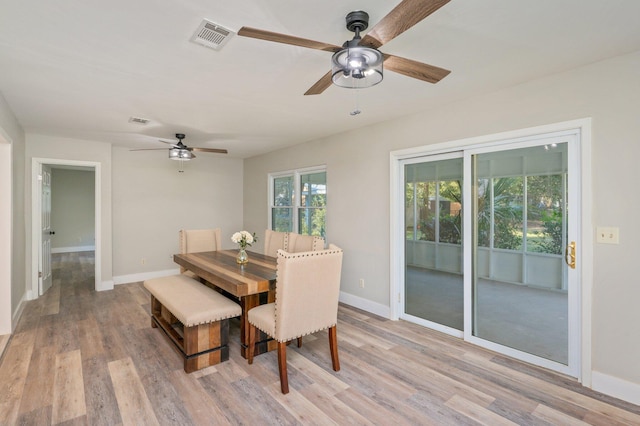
column 400, row 19
column 173, row 144
column 215, row 150
column 287, row 39
column 415, row 69
column 320, row 85
column 148, row 149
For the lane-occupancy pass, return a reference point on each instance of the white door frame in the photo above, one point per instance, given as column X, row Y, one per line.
column 36, row 219
column 584, row 250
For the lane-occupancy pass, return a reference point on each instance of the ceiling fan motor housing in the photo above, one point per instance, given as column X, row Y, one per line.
column 357, row 21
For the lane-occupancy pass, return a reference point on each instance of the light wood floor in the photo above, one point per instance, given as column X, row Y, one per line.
column 79, row 357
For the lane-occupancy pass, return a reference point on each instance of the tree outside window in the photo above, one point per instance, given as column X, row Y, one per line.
column 299, row 202
column 502, row 213
column 507, row 207
column 282, row 204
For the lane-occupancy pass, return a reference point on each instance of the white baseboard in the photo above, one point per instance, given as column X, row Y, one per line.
column 104, row 285
column 134, row 278
column 365, row 304
column 616, row 387
column 18, row 312
column 72, row 249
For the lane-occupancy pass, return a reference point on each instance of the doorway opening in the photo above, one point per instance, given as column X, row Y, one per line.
column 86, row 240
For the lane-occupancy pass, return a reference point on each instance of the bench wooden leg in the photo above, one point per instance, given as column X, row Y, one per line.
column 199, row 362
column 200, row 346
column 155, row 310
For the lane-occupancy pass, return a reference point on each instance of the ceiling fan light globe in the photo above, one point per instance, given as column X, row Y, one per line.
column 356, row 61
column 174, row 153
column 180, row 154
column 356, row 67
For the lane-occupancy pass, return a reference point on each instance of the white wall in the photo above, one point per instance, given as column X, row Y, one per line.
column 5, row 236
column 72, row 209
column 12, row 225
column 152, row 201
column 358, row 188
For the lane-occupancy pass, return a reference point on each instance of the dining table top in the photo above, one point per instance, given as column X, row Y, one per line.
column 221, row 269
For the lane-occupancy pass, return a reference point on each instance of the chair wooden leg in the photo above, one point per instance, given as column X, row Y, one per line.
column 282, row 366
column 333, row 346
column 299, row 342
column 252, row 343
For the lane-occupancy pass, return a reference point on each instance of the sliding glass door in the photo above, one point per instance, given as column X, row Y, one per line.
column 519, row 281
column 489, row 233
column 433, row 242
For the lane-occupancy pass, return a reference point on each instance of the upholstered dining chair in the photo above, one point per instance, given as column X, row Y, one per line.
column 198, row 240
column 299, row 243
column 307, row 290
column 274, row 241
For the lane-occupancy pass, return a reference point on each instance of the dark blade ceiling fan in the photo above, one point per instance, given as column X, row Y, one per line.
column 180, row 151
column 358, row 62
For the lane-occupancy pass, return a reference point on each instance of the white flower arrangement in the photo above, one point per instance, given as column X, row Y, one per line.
column 244, row 239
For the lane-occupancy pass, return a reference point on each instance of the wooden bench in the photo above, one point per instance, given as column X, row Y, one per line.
column 194, row 317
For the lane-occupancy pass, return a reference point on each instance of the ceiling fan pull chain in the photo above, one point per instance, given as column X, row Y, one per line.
column 356, row 110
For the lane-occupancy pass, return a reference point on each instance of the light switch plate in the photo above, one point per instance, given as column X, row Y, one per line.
column 607, row 235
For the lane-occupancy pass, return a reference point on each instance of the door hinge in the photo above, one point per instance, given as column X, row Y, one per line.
column 39, row 274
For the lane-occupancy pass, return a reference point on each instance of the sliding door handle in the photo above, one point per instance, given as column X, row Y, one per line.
column 570, row 254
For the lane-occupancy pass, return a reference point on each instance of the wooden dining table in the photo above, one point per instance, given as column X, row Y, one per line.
column 251, row 284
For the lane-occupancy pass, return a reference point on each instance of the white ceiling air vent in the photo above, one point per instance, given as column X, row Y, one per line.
column 211, row 35
column 139, row 120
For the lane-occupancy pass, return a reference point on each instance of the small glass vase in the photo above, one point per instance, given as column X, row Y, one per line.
column 242, row 257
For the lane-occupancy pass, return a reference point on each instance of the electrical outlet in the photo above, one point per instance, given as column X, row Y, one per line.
column 143, row 261
column 361, row 282
column 607, row 235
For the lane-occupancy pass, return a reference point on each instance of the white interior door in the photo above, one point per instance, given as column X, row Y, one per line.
column 44, row 264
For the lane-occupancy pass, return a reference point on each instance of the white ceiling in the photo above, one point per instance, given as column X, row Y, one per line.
column 81, row 69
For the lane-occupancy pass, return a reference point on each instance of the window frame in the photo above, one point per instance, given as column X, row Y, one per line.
column 296, row 197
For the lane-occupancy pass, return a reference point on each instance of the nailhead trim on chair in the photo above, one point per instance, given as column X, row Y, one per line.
column 306, row 253
column 306, row 334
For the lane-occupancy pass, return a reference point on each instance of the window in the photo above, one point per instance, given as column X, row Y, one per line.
column 433, row 201
column 298, row 201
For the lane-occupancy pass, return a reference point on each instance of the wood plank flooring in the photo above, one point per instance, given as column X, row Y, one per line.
column 80, row 357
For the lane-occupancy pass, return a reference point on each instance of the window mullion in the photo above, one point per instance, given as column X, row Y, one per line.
column 297, row 199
